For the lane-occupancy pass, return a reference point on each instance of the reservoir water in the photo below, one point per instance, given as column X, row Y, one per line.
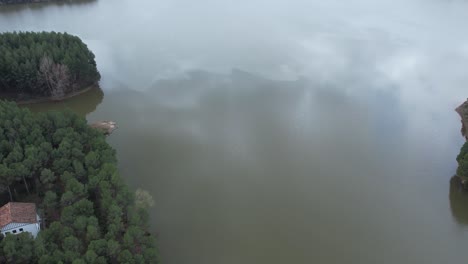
column 281, row 131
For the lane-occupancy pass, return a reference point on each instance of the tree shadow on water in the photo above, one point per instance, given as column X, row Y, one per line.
column 82, row 104
column 458, row 201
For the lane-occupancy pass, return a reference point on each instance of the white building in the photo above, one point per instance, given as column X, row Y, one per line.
column 16, row 218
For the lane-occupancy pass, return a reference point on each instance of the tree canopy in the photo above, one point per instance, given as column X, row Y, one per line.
column 71, row 173
column 38, row 64
column 462, row 160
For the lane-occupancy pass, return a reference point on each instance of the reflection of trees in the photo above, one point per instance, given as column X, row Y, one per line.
column 82, row 104
column 86, row 103
column 458, row 201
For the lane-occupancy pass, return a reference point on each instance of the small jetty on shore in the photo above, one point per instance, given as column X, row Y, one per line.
column 107, row 127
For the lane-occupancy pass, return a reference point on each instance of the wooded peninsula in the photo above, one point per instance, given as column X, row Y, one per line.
column 58, row 163
column 44, row 65
column 462, row 158
column 69, row 171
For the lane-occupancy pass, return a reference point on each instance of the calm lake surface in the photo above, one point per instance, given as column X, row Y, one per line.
column 281, row 131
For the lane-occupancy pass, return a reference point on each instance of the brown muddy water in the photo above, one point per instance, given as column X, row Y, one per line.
column 281, row 131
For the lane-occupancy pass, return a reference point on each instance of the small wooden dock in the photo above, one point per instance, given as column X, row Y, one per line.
column 107, row 127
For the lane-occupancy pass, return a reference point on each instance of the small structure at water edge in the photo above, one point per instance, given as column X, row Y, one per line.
column 17, row 218
column 107, row 127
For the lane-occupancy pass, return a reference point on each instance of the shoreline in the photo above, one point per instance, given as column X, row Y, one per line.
column 49, row 99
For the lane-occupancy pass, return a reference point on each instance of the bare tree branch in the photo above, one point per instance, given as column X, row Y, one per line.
column 55, row 76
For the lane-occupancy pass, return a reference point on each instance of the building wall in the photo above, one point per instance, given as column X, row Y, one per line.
column 31, row 228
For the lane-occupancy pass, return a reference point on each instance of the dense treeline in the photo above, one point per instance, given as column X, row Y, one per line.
column 6, row 2
column 44, row 64
column 462, row 160
column 90, row 215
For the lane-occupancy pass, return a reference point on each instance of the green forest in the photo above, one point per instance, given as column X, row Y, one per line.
column 462, row 160
column 44, row 64
column 67, row 168
column 6, row 2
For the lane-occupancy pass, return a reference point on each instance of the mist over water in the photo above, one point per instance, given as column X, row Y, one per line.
column 282, row 131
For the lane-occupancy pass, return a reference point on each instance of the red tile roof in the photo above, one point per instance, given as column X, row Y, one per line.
column 17, row 213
